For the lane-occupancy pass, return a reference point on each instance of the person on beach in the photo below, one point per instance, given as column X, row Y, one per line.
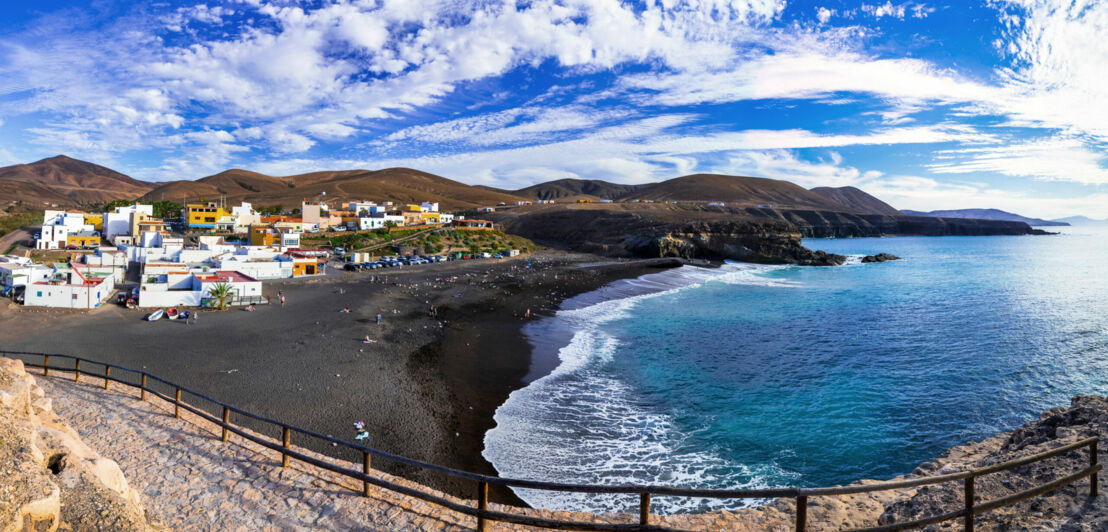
column 378, row 319
column 345, row 310
column 368, row 341
column 282, row 301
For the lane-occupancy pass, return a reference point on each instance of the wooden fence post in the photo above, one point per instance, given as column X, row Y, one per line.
column 77, row 371
column 226, row 418
column 285, row 437
column 142, row 388
column 365, row 470
column 482, row 503
column 46, row 366
column 969, row 504
column 107, row 373
column 801, row 513
column 1094, row 488
column 644, row 509
column 177, row 403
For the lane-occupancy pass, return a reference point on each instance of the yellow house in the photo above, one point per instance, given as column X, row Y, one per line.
column 95, row 220
column 264, row 235
column 412, row 208
column 305, row 267
column 204, row 216
column 83, row 239
column 430, row 217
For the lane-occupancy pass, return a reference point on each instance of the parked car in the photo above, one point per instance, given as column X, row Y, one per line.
column 351, row 267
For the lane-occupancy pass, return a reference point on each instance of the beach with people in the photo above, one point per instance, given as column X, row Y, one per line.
column 423, row 356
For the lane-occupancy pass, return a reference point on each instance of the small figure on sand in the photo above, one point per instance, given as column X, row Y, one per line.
column 362, row 435
column 345, row 310
column 250, row 308
column 368, row 340
column 282, row 300
column 527, row 315
column 378, row 319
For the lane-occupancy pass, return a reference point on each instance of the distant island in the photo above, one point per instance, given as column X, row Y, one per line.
column 1081, row 220
column 988, row 214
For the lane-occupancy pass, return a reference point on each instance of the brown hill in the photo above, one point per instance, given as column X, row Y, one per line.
column 392, row 184
column 856, row 200
column 564, row 189
column 78, row 182
column 747, row 191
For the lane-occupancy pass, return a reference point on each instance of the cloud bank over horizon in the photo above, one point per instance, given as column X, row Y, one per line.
column 926, row 105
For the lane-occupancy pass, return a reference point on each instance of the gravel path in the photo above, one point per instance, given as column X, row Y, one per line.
column 190, row 480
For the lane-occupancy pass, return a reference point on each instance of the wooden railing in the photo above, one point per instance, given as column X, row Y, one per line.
column 483, row 514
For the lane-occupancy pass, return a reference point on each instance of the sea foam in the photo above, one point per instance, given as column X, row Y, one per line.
column 582, row 424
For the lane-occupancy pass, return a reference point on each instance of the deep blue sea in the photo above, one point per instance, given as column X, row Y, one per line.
column 759, row 376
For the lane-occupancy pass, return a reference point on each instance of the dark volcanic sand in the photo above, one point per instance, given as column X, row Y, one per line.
column 427, row 389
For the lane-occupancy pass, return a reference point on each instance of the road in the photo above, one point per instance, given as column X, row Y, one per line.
column 14, row 237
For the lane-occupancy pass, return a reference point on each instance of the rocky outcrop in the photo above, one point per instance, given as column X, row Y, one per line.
column 1069, row 508
column 880, row 257
column 49, row 479
column 829, row 224
column 692, row 231
column 644, row 233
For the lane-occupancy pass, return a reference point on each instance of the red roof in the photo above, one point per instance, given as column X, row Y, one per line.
column 225, row 277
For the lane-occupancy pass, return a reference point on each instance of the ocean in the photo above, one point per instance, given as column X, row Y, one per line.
column 753, row 376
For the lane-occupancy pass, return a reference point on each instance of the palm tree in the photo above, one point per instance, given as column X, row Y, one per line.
column 221, row 293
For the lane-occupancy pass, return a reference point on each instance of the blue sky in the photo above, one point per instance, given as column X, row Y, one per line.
column 925, row 104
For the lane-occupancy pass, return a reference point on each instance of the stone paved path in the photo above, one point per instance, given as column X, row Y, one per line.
column 190, row 480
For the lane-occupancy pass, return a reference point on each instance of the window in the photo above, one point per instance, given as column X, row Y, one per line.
column 75, row 297
column 38, row 294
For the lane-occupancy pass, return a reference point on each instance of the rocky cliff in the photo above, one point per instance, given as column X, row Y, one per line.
column 761, row 235
column 825, row 224
column 620, row 232
column 49, row 479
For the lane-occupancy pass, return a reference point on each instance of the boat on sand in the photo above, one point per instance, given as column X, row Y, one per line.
column 156, row 315
column 171, row 313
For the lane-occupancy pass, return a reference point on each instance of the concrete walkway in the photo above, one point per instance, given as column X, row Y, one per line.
column 190, row 480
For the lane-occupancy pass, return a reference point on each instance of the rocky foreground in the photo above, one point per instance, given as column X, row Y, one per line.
column 49, row 478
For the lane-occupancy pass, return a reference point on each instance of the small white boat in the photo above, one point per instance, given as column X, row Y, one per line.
column 156, row 315
column 171, row 313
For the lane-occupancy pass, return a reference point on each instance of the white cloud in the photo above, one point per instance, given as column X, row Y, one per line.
column 1053, row 159
column 824, row 15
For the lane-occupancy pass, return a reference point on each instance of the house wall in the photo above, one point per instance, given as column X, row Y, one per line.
column 68, row 296
column 170, row 298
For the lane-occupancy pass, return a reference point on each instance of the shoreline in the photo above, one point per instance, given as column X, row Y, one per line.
column 427, row 389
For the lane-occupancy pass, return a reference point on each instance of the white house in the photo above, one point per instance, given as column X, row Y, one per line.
column 20, row 271
column 193, row 289
column 244, row 215
column 378, row 221
column 446, row 218
column 108, row 260
column 70, row 287
column 428, row 207
column 358, row 206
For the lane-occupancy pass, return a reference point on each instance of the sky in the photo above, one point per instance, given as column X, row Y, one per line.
column 927, row 105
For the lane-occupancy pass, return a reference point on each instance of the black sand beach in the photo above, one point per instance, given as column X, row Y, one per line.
column 427, row 388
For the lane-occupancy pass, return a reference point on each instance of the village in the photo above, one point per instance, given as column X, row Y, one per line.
column 210, row 256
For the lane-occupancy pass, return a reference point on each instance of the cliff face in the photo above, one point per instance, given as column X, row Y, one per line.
column 49, row 478
column 691, row 231
column 630, row 233
column 825, row 224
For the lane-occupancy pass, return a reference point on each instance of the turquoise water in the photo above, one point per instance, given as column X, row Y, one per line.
column 756, row 376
